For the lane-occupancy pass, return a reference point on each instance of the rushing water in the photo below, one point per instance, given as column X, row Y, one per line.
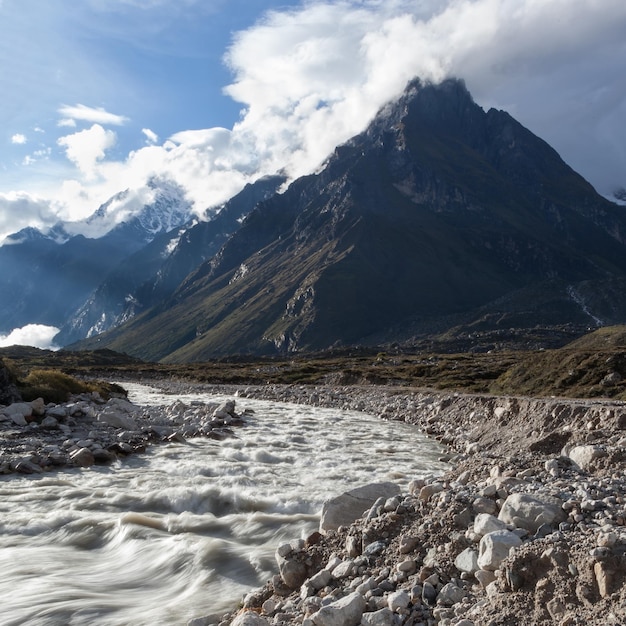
column 185, row 530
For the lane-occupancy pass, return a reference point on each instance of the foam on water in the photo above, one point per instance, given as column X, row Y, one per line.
column 186, row 529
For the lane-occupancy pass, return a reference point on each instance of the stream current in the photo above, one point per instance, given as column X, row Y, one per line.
column 186, row 529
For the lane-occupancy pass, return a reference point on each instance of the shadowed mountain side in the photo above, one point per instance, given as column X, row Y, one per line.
column 419, row 225
column 154, row 272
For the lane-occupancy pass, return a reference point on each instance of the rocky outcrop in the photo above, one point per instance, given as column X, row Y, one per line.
column 8, row 390
column 87, row 430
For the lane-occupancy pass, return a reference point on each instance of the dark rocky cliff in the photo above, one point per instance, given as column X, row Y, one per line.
column 439, row 218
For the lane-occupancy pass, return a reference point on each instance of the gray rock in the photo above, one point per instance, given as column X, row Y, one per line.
column 374, row 548
column 528, row 511
column 384, row 617
column 117, row 419
column 320, row 580
column 450, row 594
column 494, row 547
column 82, row 457
column 428, row 491
column 486, row 523
column 353, row 546
column 429, row 593
column 484, row 505
column 58, row 412
column 343, row 570
column 49, row 422
column 346, row 611
column 18, row 419
column 26, row 466
column 584, row 456
column 398, row 600
column 349, row 506
column 103, row 456
column 408, row 544
column 38, row 406
column 292, row 572
column 249, row 618
column 484, row 577
column 24, row 409
column 467, row 561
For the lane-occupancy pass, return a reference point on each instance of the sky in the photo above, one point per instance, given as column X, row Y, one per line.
column 98, row 96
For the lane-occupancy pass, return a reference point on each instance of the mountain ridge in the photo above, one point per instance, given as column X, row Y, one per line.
column 436, row 211
column 45, row 276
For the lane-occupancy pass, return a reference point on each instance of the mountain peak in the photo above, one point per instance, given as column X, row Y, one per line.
column 438, row 218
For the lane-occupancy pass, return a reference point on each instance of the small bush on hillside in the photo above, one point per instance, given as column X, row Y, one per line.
column 56, row 386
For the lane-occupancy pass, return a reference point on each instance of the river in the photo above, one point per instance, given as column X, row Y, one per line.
column 185, row 530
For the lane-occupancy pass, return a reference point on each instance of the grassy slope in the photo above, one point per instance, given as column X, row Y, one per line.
column 578, row 370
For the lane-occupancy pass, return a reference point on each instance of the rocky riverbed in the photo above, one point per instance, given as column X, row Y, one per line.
column 88, row 430
column 527, row 527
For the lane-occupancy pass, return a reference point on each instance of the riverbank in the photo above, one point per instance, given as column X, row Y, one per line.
column 545, row 477
column 87, row 430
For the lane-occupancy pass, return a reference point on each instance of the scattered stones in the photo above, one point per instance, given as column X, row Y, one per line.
column 517, row 513
column 86, row 430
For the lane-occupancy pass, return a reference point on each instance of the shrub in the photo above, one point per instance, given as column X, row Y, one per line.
column 56, row 386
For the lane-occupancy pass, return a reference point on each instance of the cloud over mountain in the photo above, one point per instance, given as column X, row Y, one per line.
column 311, row 76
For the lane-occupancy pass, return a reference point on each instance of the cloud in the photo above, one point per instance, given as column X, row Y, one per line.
column 89, row 114
column 151, row 136
column 19, row 210
column 18, row 138
column 36, row 335
column 311, row 77
column 86, row 147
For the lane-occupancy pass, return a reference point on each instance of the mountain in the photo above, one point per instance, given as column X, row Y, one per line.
column 155, row 271
column 440, row 221
column 44, row 277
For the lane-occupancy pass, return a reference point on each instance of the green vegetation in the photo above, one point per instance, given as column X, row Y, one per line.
column 49, row 383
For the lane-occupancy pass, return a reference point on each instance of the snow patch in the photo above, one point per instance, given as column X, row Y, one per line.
column 578, row 299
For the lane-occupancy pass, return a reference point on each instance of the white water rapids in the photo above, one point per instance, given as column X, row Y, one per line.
column 186, row 529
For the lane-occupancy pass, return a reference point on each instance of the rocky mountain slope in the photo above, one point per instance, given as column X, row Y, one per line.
column 45, row 277
column 439, row 220
column 155, row 270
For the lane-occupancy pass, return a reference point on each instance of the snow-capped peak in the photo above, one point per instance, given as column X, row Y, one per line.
column 159, row 206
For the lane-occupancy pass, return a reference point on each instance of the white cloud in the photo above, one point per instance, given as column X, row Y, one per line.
column 18, row 138
column 311, row 77
column 89, row 114
column 36, row 335
column 20, row 209
column 86, row 147
column 151, row 136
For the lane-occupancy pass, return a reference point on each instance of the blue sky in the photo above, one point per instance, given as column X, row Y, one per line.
column 157, row 65
column 100, row 95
